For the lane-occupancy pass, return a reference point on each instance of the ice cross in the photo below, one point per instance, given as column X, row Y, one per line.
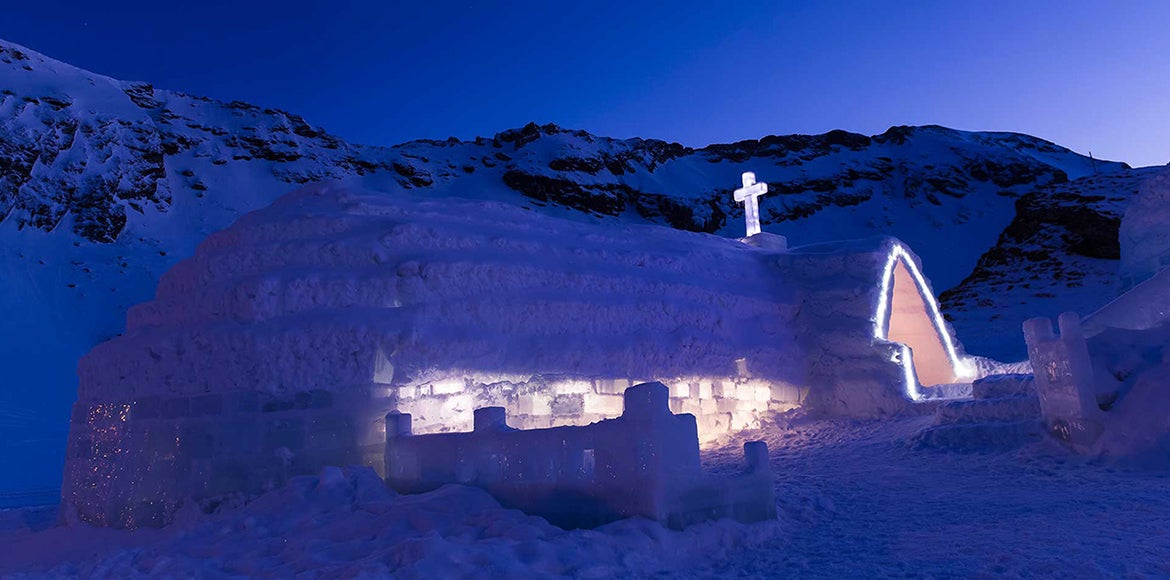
column 750, row 194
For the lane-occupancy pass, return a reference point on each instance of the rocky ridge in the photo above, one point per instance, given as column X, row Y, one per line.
column 1059, row 253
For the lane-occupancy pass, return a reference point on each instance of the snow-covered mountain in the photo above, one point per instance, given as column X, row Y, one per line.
column 1060, row 253
column 105, row 184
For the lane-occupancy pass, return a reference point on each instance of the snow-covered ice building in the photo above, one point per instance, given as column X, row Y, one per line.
column 280, row 346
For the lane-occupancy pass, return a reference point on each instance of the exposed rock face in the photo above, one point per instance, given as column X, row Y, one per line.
column 860, row 168
column 1060, row 253
column 95, row 152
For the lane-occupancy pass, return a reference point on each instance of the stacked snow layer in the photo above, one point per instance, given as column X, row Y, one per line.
column 281, row 344
column 1131, row 371
column 842, row 287
column 430, row 286
column 1145, row 243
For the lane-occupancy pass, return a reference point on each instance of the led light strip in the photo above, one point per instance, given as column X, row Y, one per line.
column 962, row 368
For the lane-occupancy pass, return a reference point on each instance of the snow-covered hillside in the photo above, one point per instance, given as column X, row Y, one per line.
column 1060, row 253
column 105, row 184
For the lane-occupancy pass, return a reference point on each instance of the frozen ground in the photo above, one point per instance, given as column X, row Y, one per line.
column 855, row 500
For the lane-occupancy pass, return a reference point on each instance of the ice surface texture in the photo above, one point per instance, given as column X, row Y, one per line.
column 643, row 463
column 1145, row 242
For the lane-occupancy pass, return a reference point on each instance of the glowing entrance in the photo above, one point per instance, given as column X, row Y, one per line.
column 908, row 314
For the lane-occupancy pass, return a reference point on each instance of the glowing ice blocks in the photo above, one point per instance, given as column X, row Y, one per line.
column 1064, row 379
column 643, row 463
column 749, row 196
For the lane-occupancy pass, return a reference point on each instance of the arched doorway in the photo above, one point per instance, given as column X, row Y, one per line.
column 909, row 315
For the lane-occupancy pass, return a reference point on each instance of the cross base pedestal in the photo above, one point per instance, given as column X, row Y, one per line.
column 766, row 241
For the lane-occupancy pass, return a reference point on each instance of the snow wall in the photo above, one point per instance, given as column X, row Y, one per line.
column 1144, row 239
column 1145, row 255
column 279, row 347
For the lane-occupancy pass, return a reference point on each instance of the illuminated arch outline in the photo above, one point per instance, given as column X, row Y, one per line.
column 962, row 367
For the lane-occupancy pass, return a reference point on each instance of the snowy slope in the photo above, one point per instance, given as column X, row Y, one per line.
column 105, row 184
column 1060, row 253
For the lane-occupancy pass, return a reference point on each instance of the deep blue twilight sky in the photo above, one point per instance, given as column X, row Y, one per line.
column 1093, row 76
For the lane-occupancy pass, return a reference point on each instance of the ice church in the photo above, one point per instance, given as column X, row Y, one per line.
column 282, row 344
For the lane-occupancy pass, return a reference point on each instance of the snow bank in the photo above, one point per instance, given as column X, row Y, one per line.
column 1107, row 394
column 346, row 523
column 1145, row 244
column 854, row 501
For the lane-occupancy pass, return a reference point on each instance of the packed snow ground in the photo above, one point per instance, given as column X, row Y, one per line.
column 856, row 499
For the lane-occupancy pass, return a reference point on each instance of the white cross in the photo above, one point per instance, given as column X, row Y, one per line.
column 750, row 194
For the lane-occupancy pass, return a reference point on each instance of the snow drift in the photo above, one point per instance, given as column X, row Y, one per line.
column 345, row 522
